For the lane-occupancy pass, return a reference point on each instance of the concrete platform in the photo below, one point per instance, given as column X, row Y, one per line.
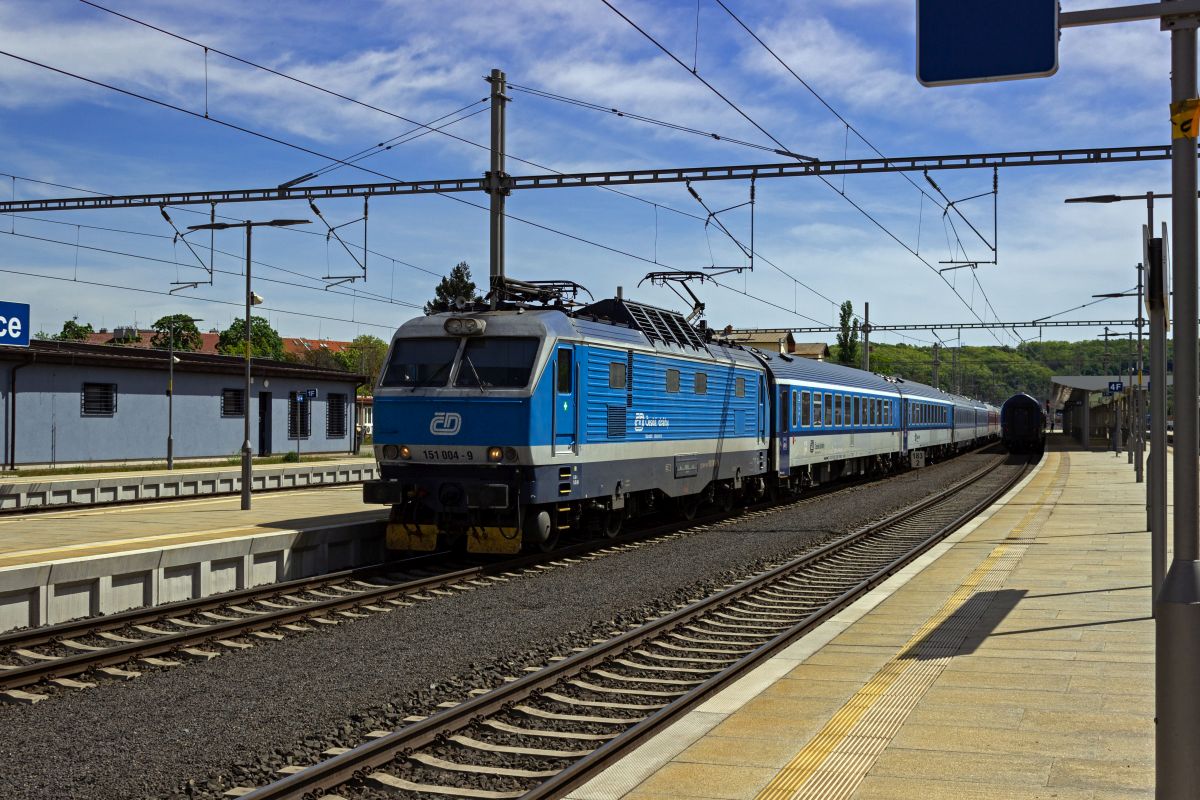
column 1013, row 661
column 105, row 488
column 59, row 565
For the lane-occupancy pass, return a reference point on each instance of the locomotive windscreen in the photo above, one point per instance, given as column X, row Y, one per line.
column 503, row 363
column 420, row 362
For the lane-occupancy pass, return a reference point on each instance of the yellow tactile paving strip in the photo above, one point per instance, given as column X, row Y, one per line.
column 50, row 536
column 1019, row 664
column 835, row 761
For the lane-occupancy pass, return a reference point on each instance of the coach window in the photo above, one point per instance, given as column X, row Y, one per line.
column 700, row 383
column 818, row 411
column 739, row 387
column 805, row 410
column 616, row 375
column 847, row 419
column 828, row 410
column 837, row 410
column 878, row 411
column 673, row 381
column 887, row 412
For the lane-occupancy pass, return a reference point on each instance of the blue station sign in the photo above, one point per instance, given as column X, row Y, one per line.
column 1116, row 386
column 976, row 41
column 14, row 324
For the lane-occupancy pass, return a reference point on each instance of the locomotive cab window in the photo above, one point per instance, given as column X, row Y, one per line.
column 502, row 363
column 566, row 369
column 700, row 383
column 805, row 410
column 616, row 375
column 672, row 381
column 420, row 362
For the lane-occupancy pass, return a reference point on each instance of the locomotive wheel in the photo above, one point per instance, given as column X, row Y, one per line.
column 539, row 534
column 612, row 523
column 688, row 505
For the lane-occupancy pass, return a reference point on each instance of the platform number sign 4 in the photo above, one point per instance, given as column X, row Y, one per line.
column 14, row 324
column 1116, row 386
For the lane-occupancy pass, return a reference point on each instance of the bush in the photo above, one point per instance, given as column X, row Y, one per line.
column 292, row 457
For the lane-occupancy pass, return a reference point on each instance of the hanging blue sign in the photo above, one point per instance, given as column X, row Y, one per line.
column 975, row 41
column 14, row 324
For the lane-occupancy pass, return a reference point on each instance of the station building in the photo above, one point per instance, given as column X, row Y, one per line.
column 70, row 403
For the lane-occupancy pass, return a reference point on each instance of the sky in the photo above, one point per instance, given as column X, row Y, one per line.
column 867, row 238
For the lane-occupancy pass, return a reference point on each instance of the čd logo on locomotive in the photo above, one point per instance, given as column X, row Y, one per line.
column 445, row 423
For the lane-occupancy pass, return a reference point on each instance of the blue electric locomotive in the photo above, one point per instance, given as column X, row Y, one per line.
column 512, row 426
column 507, row 428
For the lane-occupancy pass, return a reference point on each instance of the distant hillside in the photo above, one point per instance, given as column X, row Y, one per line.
column 995, row 373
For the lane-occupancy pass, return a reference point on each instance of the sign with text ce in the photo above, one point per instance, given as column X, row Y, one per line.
column 14, row 324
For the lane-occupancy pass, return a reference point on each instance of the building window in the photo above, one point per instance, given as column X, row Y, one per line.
column 299, row 416
column 98, row 400
column 616, row 375
column 700, row 383
column 740, row 387
column 673, row 381
column 233, row 402
column 805, row 415
column 335, row 416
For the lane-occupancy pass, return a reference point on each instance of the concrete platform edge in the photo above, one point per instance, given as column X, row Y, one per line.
column 623, row 777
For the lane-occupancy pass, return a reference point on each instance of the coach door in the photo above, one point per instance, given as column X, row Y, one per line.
column 904, row 420
column 565, row 376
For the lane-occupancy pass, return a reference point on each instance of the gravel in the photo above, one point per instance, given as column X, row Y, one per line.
column 197, row 730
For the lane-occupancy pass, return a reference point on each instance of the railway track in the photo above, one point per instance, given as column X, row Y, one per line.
column 542, row 734
column 73, row 655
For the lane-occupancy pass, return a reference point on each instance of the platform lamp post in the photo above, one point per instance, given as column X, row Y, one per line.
column 251, row 300
column 171, row 388
column 1156, row 297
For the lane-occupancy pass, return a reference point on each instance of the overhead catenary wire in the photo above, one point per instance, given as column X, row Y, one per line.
column 326, row 156
column 235, row 303
column 428, row 126
column 355, row 101
column 842, row 194
column 860, row 135
column 109, row 251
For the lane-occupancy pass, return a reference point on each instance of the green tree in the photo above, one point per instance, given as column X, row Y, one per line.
column 365, row 355
column 455, row 285
column 847, row 339
column 72, row 331
column 264, row 341
column 187, row 335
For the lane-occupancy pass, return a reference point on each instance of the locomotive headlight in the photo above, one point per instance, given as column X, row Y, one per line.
column 495, row 454
column 510, row 453
column 405, row 453
column 390, row 451
column 463, row 326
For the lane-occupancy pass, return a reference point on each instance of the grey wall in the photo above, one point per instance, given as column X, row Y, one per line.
column 51, row 428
